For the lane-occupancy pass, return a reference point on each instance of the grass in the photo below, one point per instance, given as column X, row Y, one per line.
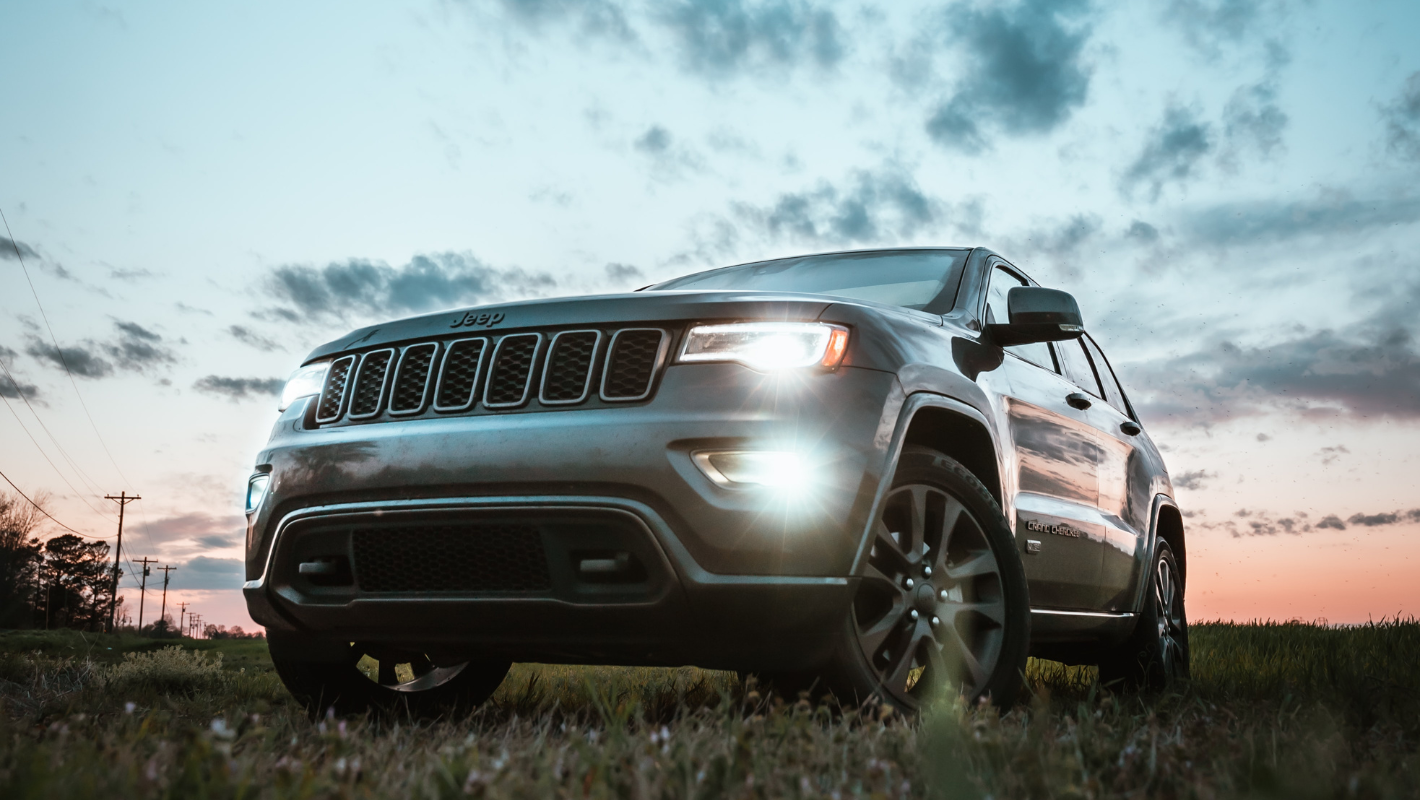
column 1274, row 710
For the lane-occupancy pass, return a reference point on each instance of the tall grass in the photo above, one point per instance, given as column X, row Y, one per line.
column 1274, row 710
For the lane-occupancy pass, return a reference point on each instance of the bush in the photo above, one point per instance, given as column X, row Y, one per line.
column 171, row 670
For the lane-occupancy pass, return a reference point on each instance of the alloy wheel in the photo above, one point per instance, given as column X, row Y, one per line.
column 931, row 610
column 1168, row 605
column 400, row 670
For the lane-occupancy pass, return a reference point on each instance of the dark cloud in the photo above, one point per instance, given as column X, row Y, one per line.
column 1333, row 522
column 130, row 274
column 1266, row 222
column 1024, row 71
column 82, row 361
column 1142, row 232
column 624, row 275
column 190, row 525
column 1366, row 370
column 1193, row 480
column 1262, row 437
column 205, row 572
column 239, row 388
column 217, row 541
column 1402, row 118
column 886, row 205
column 427, row 282
column 1260, row 523
column 1252, row 121
column 135, row 349
column 1385, row 518
column 1173, row 152
column 722, row 37
column 10, row 386
column 9, row 247
column 251, row 338
column 655, row 140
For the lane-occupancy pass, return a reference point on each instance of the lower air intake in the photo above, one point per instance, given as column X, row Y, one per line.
column 471, row 559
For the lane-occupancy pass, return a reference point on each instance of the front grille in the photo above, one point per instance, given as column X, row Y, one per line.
column 511, row 370
column 635, row 354
column 569, row 367
column 450, row 558
column 332, row 397
column 411, row 380
column 492, row 373
column 370, row 384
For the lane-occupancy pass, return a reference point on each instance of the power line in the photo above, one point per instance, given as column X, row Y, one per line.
column 83, row 476
column 57, row 471
column 41, row 510
column 59, row 351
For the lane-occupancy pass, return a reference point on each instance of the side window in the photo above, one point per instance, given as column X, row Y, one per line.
column 1112, row 393
column 1002, row 282
column 1076, row 366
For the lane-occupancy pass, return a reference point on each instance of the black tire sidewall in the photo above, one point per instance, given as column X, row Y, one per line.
column 852, row 678
column 1137, row 663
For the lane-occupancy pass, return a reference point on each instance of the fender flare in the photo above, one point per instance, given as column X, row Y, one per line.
column 1151, row 546
column 914, row 403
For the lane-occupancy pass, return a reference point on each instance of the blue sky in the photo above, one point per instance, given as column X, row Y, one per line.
column 204, row 193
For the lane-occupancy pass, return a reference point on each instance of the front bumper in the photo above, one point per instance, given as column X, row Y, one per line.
column 734, row 576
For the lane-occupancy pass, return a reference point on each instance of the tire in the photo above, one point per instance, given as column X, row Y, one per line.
column 942, row 601
column 356, row 678
column 1156, row 655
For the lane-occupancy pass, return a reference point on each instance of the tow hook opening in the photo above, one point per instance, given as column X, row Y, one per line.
column 608, row 566
column 327, row 571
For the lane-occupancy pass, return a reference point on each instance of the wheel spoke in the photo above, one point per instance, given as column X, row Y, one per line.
column 895, row 678
column 872, row 638
column 888, row 548
column 949, row 611
column 872, row 574
column 980, row 563
column 912, row 539
column 387, row 674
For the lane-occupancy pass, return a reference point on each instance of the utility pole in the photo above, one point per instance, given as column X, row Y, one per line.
column 196, row 620
column 166, row 569
column 123, row 499
column 143, row 587
column 182, row 610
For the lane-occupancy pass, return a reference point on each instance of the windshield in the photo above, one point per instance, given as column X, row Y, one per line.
column 908, row 278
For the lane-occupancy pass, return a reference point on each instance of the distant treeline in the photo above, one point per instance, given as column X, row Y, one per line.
column 65, row 582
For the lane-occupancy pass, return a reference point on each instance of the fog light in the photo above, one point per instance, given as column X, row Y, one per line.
column 256, row 490
column 757, row 467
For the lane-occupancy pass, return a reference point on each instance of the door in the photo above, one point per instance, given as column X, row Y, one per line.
column 1126, row 498
column 1056, row 457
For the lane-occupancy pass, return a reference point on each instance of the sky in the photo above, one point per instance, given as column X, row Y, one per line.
column 201, row 194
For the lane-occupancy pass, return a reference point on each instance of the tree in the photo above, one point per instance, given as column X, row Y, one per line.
column 164, row 628
column 19, row 558
column 76, row 583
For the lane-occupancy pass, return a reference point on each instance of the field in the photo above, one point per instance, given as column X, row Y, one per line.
column 1274, row 710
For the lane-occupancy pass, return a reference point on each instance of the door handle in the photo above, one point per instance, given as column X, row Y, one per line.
column 1078, row 400
column 1130, row 427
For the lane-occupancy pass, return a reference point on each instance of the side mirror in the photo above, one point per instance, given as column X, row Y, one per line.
column 1038, row 315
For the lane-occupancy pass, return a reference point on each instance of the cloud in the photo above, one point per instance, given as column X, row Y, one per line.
column 1329, row 455
column 138, row 348
column 594, row 17
column 12, row 387
column 1333, row 522
column 217, row 541
column 1368, row 370
column 1252, row 121
column 1402, row 119
column 1173, row 152
column 251, row 338
column 9, row 248
column 206, row 572
column 1208, row 25
column 191, row 525
column 671, row 161
column 655, row 140
column 722, row 37
column 1141, row 231
column 625, row 275
column 1247, row 522
column 239, row 388
column 81, row 361
column 1193, row 480
column 874, row 206
column 1265, row 222
column 426, row 283
column 1024, row 72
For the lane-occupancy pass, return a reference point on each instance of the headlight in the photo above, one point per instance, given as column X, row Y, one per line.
column 758, row 467
column 304, row 382
column 768, row 345
column 256, row 490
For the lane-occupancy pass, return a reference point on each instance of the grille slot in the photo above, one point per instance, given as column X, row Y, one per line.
column 370, row 383
column 332, row 396
column 568, row 374
column 632, row 360
column 510, row 371
column 458, row 380
column 450, row 558
column 411, row 379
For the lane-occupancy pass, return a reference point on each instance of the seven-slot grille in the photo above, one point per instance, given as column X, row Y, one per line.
column 499, row 373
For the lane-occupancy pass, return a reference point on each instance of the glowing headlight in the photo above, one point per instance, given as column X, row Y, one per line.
column 761, row 467
column 304, row 382
column 768, row 345
column 256, row 490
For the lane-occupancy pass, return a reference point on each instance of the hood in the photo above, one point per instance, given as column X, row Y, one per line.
column 606, row 309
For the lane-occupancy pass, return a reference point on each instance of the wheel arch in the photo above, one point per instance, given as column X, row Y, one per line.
column 1167, row 526
column 957, row 430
